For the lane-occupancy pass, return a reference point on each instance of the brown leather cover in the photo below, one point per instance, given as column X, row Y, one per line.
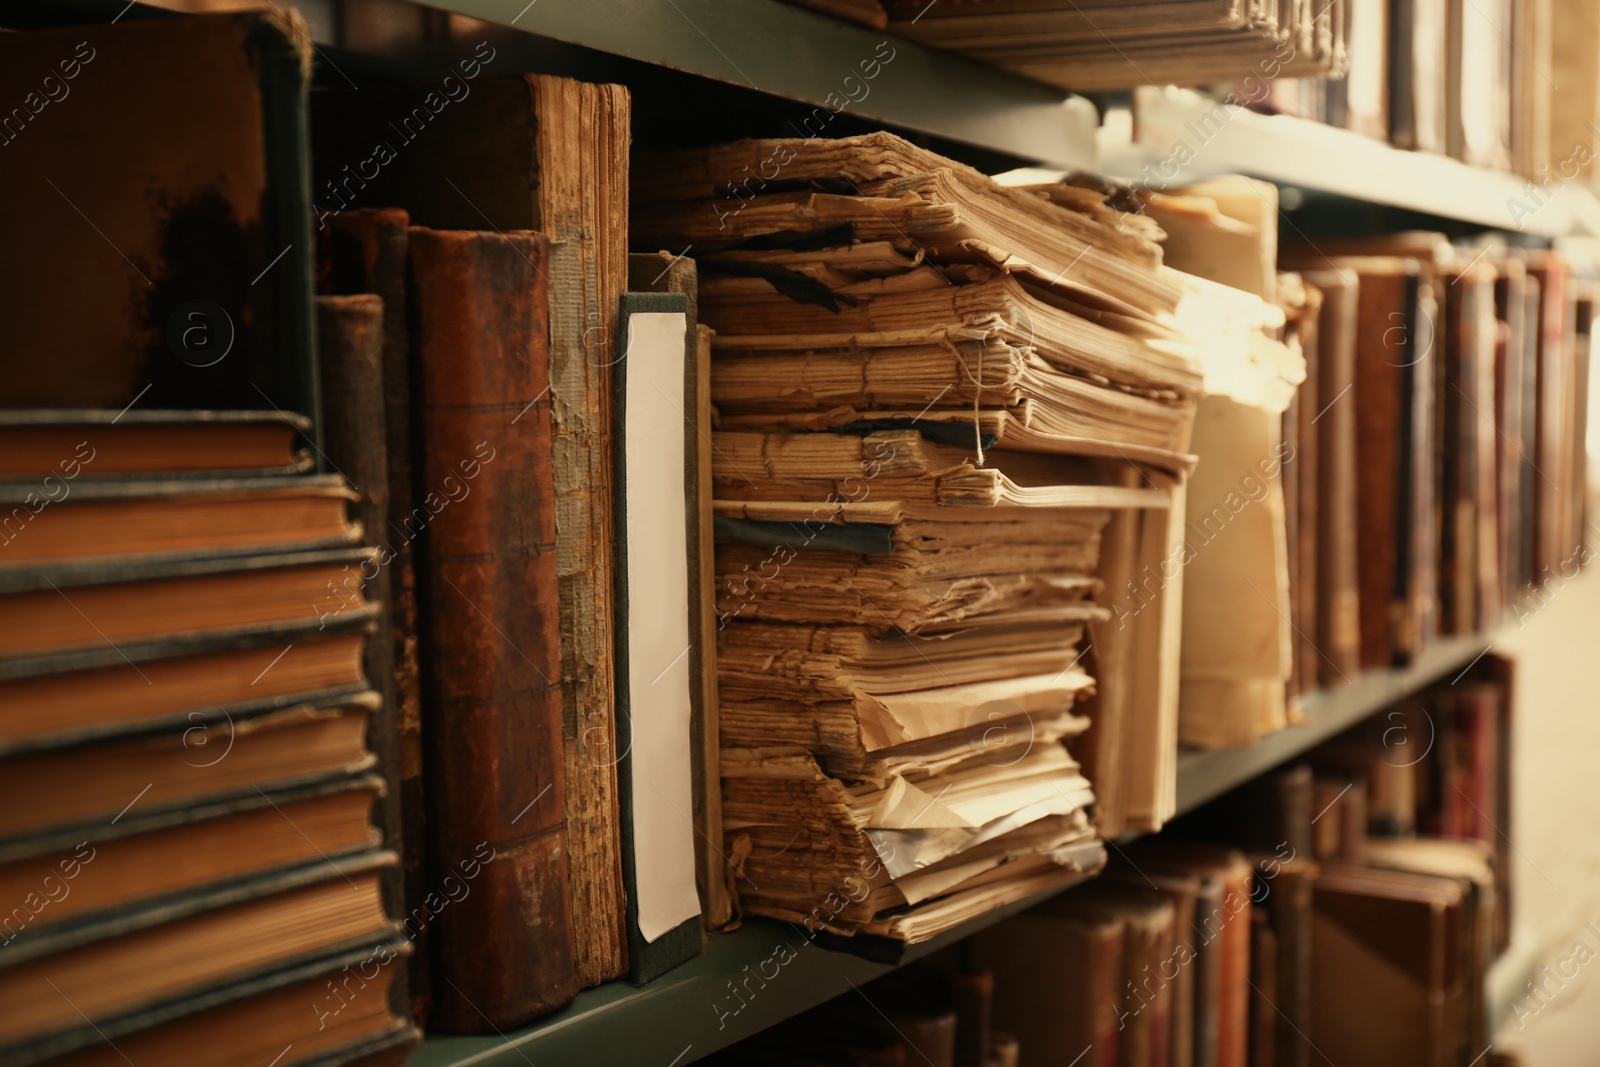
column 350, row 365
column 364, row 251
column 503, row 951
column 1382, row 349
column 1338, row 629
column 534, row 152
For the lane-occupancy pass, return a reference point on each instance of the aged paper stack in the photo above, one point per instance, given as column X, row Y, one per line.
column 1110, row 44
column 952, row 435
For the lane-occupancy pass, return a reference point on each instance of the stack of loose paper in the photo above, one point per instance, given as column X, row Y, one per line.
column 953, row 424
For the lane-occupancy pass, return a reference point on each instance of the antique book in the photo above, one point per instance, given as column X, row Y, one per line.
column 559, row 166
column 1068, row 997
column 1176, row 971
column 194, row 762
column 195, row 682
column 146, row 857
column 190, row 284
column 96, row 443
column 117, row 519
column 351, row 337
column 250, row 1022
column 1222, row 934
column 1264, row 991
column 364, row 251
column 57, row 981
column 1337, row 632
column 63, row 610
column 1407, row 991
column 1144, row 1013
column 1418, row 88
column 676, row 274
column 657, row 626
column 1471, row 865
column 492, row 635
column 1479, row 57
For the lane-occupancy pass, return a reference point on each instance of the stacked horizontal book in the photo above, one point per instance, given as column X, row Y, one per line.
column 189, row 845
column 953, row 421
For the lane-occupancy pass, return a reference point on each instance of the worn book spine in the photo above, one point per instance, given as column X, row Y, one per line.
column 1207, row 931
column 1382, row 351
column 1233, row 993
column 1291, row 916
column 1338, row 596
column 364, row 251
column 504, row 952
column 1263, row 992
column 350, row 366
column 1307, row 551
column 582, row 135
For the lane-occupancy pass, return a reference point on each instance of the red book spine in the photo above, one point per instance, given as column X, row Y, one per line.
column 503, row 942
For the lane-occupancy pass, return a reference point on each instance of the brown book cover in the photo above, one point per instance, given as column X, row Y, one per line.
column 550, row 154
column 188, row 241
column 350, row 341
column 503, row 954
column 1264, row 992
column 1283, row 893
column 1223, row 928
column 1386, row 950
column 1064, row 1001
column 1338, row 628
column 1389, row 341
column 364, row 251
column 1305, row 549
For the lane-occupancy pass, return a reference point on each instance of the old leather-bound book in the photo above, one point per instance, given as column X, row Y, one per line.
column 364, row 251
column 535, row 152
column 350, row 367
column 502, row 953
column 1338, row 630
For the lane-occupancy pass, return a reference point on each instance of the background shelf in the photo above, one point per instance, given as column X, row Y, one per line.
column 1180, row 136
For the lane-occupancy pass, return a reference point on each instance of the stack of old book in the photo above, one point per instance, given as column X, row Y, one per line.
column 1109, row 45
column 949, row 466
column 188, row 852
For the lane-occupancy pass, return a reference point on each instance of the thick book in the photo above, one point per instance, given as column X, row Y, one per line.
column 676, row 274
column 54, row 521
column 60, row 610
column 145, row 859
column 53, row 700
column 1058, row 975
column 197, row 761
column 1338, row 625
column 365, row 251
column 325, row 1012
column 492, row 720
column 1406, row 990
column 136, row 960
column 559, row 165
column 355, row 441
column 190, row 241
column 64, row 444
column 657, row 626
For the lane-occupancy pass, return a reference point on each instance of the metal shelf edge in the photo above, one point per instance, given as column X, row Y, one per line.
column 1183, row 136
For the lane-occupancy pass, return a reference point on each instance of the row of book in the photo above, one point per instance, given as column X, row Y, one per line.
column 1293, row 921
column 1423, row 479
column 786, row 572
column 1510, row 85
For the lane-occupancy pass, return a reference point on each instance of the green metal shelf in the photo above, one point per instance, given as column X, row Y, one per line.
column 688, row 1013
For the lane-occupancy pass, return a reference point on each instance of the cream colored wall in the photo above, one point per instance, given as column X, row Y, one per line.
column 1556, row 797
